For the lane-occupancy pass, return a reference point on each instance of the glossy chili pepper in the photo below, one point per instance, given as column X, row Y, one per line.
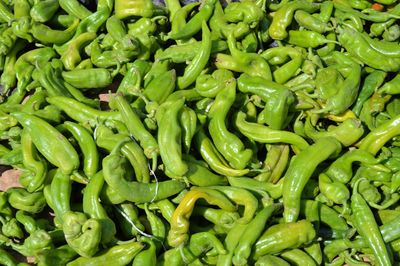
column 11, row 228
column 264, row 134
column 7, row 259
column 246, row 12
column 371, row 83
column 251, row 63
column 171, row 151
column 60, row 194
column 35, row 166
column 334, row 191
column 221, row 218
column 298, row 256
column 43, row 11
column 226, row 142
column 82, row 234
column 34, row 244
column 297, row 177
column 129, row 222
column 82, row 113
column 177, row 234
column 55, row 148
column 243, row 249
column 311, row 22
column 199, row 61
column 339, row 132
column 157, row 226
column 199, row 174
column 8, row 78
column 93, row 208
column 341, row 169
column 147, row 256
column 42, row 33
column 75, row 8
column 137, row 129
column 21, row 199
column 230, row 243
column 358, row 46
column 71, row 51
column 306, row 39
column 212, row 156
column 243, row 197
column 284, row 16
column 87, row 146
column 57, row 256
column 377, row 138
column 114, row 174
column 208, row 85
column 106, row 139
column 5, row 13
column 270, row 260
column 141, row 8
column 195, row 23
column 278, row 98
column 296, row 234
column 364, row 222
column 95, row 78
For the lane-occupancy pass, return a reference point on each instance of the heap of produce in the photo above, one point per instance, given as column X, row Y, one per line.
column 252, row 132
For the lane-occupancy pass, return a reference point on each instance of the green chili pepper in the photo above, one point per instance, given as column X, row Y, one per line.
column 371, row 83
column 140, row 8
column 55, row 148
column 42, row 33
column 278, row 98
column 171, row 151
column 271, row 260
column 93, row 208
column 36, row 168
column 8, row 78
column 199, row 61
column 11, row 228
column 375, row 140
column 226, row 142
column 212, row 156
column 106, row 139
column 264, row 134
column 284, row 16
column 21, row 199
column 80, row 112
column 147, row 256
column 87, row 146
column 298, row 256
column 7, row 259
column 243, row 249
column 243, row 197
column 366, row 226
column 195, row 23
column 177, row 234
column 311, row 22
column 114, row 174
column 199, row 174
column 208, row 85
column 251, row 63
column 137, row 129
column 279, row 237
column 359, row 47
column 70, row 52
column 38, row 241
column 43, row 11
column 296, row 177
column 75, row 8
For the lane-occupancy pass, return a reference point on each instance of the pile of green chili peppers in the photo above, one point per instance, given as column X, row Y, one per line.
column 251, row 132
